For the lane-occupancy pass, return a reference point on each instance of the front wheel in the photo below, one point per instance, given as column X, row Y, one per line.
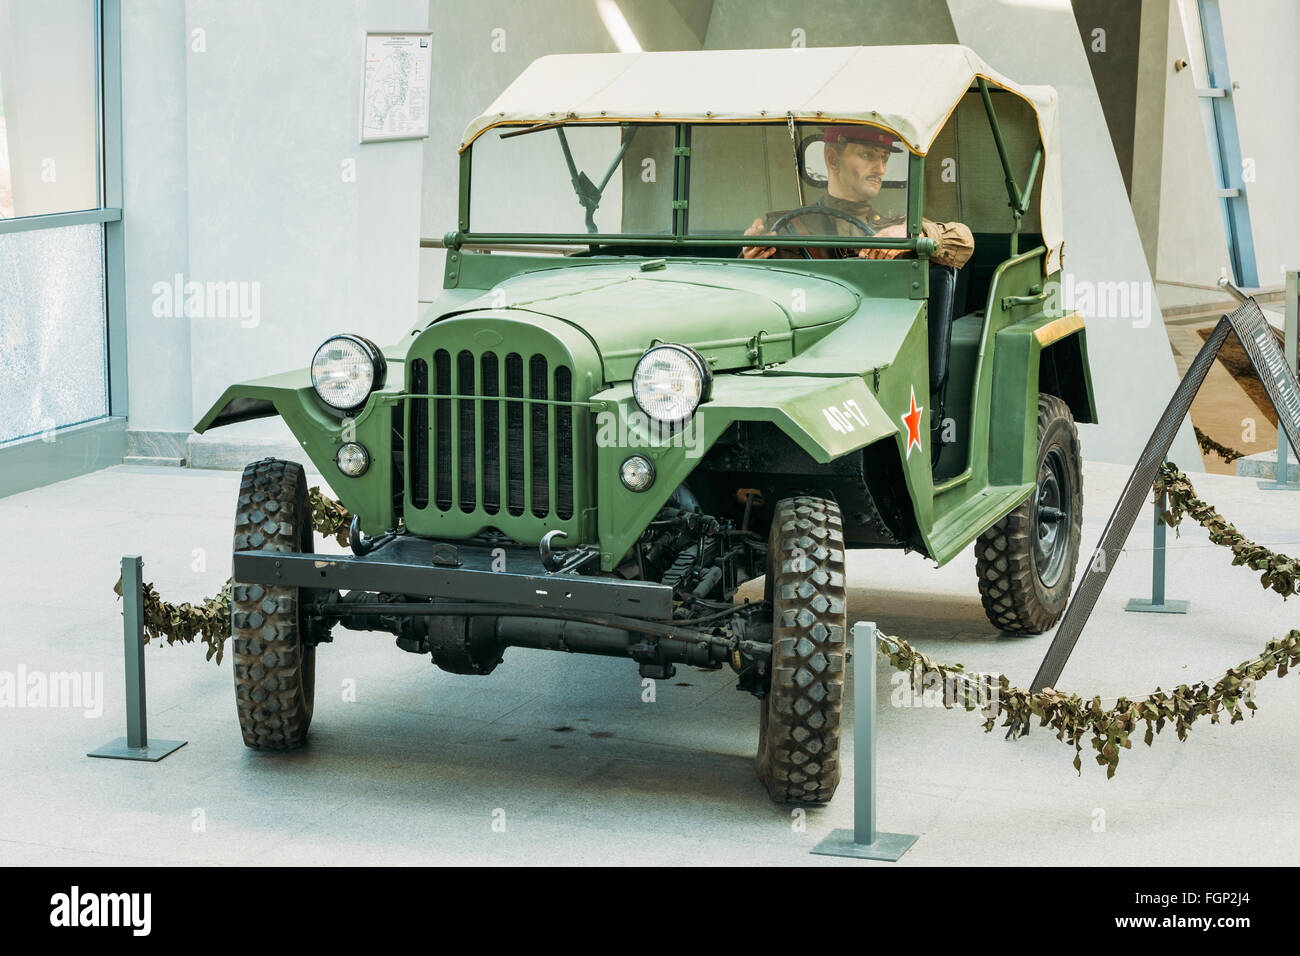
column 1026, row 561
column 799, row 730
column 274, row 667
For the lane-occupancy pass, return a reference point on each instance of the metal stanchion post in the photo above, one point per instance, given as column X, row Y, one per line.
column 864, row 842
column 135, row 745
column 1157, row 603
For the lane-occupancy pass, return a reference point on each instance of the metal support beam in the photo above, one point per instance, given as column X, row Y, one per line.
column 57, row 220
column 1220, row 120
column 110, row 84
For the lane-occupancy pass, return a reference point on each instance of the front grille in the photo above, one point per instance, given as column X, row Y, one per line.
column 459, row 455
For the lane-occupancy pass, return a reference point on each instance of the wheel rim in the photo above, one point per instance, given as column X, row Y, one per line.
column 1052, row 528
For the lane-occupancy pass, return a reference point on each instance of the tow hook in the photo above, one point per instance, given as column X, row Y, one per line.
column 550, row 560
column 361, row 545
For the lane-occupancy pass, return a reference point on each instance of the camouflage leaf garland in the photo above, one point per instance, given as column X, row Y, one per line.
column 209, row 621
column 329, row 517
column 1280, row 573
column 1072, row 717
column 1209, row 445
column 1075, row 719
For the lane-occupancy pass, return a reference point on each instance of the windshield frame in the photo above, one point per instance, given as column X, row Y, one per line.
column 680, row 234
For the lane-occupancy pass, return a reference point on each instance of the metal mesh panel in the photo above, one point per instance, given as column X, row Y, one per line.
column 1134, row 497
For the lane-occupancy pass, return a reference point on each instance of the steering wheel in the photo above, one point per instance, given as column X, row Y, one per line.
column 783, row 222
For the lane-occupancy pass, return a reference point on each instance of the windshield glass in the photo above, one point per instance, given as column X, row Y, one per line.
column 580, row 178
column 747, row 179
column 619, row 179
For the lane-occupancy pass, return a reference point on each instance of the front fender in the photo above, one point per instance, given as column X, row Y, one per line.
column 320, row 432
column 827, row 417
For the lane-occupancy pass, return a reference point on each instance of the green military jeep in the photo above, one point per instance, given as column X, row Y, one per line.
column 624, row 405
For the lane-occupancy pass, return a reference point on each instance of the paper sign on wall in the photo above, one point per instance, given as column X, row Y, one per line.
column 395, row 86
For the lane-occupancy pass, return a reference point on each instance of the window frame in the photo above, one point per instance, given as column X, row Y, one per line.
column 100, row 442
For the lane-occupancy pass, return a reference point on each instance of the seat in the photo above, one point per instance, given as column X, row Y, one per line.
column 942, row 311
column 947, row 302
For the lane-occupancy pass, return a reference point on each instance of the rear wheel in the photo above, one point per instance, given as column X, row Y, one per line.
column 274, row 668
column 1026, row 561
column 799, row 730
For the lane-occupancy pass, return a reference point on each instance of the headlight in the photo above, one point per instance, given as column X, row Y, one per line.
column 345, row 370
column 670, row 381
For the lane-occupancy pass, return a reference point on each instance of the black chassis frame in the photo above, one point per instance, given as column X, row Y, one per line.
column 423, row 567
column 446, row 600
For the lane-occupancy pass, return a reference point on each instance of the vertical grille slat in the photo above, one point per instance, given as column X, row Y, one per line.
column 397, row 439
column 442, row 463
column 540, row 463
column 515, row 450
column 467, row 447
column 419, row 432
column 491, row 416
column 563, row 444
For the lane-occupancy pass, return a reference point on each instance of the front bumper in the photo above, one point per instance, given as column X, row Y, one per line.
column 406, row 565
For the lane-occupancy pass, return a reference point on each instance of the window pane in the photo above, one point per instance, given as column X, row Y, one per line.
column 523, row 184
column 52, row 354
column 48, row 109
column 740, row 174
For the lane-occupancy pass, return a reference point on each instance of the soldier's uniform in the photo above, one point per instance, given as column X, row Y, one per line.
column 954, row 239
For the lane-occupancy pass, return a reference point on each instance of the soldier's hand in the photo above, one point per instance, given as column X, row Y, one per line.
column 896, row 231
column 757, row 252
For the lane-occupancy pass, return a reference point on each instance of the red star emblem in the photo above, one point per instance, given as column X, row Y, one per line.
column 913, row 422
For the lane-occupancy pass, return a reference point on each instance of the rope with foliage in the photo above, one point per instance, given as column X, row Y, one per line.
column 1208, row 445
column 1074, row 718
column 208, row 622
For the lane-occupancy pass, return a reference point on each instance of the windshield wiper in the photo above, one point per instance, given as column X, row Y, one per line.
column 588, row 193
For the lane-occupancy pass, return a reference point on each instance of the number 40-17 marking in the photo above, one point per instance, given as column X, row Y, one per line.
column 842, row 417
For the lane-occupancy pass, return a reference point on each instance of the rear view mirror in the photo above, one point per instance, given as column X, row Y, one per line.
column 812, row 161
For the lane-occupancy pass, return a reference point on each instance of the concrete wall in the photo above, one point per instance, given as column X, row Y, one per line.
column 1261, row 37
column 1110, row 31
column 743, row 24
column 243, row 165
column 1192, row 248
column 1133, row 369
column 1263, row 40
column 156, row 225
column 1149, row 125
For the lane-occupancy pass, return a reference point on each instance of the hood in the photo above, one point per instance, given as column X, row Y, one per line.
column 716, row 309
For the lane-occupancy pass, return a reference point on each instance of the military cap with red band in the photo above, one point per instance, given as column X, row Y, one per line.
column 867, row 135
